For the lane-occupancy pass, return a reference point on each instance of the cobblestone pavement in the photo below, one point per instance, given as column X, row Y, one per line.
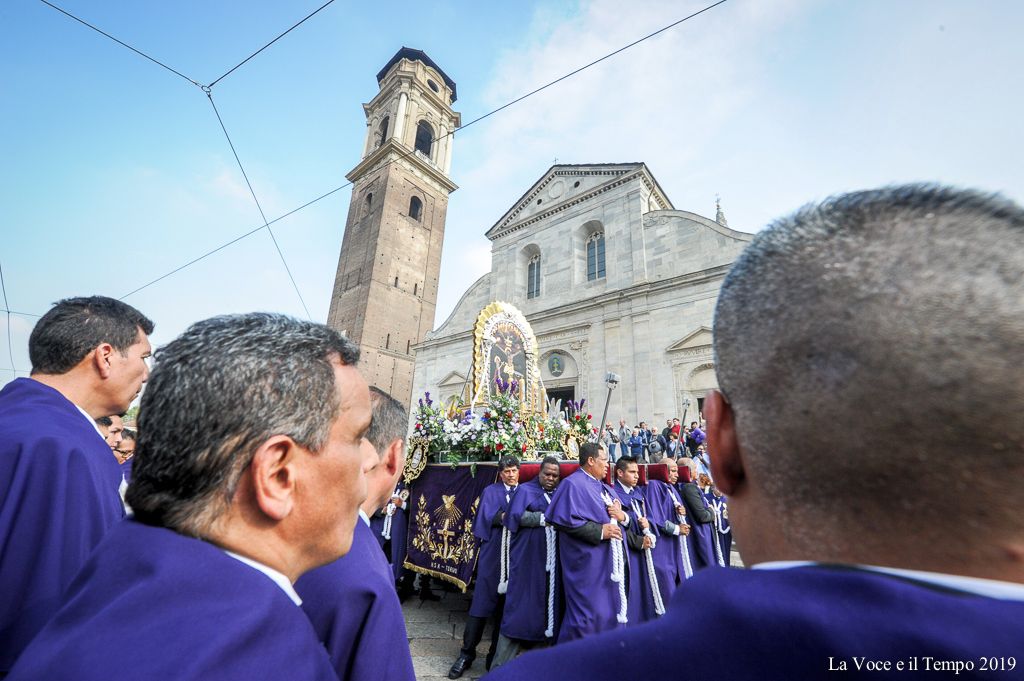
column 435, row 633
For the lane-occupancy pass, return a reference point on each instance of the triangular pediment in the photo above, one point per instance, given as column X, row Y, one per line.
column 700, row 338
column 564, row 185
column 452, row 379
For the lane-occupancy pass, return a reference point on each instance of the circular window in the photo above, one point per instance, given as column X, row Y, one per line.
column 577, row 184
column 433, row 85
column 538, row 201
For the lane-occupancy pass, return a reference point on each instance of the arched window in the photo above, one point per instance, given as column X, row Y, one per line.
column 415, row 289
column 387, row 342
column 533, row 277
column 424, row 138
column 367, row 205
column 595, row 256
column 382, row 131
column 396, row 282
column 415, row 208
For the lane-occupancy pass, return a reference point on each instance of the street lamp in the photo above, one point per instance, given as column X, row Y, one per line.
column 612, row 381
column 686, row 407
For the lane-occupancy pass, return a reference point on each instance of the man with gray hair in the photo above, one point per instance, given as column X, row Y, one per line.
column 249, row 472
column 900, row 307
column 352, row 602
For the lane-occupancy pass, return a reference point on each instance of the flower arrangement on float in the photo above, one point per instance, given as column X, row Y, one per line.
column 455, row 433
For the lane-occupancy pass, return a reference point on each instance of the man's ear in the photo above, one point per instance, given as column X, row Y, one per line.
column 394, row 457
column 102, row 359
column 273, row 476
column 723, row 446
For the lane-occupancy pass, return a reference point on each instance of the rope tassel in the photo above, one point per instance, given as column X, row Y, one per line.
column 659, row 604
column 618, row 568
column 506, row 540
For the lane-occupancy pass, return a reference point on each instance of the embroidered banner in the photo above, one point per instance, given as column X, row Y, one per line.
column 442, row 505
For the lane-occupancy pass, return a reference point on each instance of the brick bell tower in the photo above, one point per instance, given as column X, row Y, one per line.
column 385, row 290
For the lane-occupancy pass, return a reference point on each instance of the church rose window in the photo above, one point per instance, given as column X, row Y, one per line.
column 533, row 277
column 424, row 138
column 595, row 257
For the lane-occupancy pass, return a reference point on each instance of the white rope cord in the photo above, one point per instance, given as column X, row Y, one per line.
column 684, row 549
column 506, row 538
column 618, row 567
column 551, row 567
column 714, row 537
column 659, row 604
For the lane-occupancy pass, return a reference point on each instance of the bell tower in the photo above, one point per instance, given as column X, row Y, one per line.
column 385, row 289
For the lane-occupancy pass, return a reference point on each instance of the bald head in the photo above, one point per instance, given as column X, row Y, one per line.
column 860, row 340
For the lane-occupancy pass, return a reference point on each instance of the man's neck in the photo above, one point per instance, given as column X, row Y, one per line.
column 76, row 391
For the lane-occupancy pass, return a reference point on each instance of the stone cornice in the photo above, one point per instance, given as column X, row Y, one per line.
column 635, row 291
column 380, row 157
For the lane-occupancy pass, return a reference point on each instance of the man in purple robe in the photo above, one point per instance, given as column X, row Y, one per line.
column 701, row 518
column 352, row 602
column 249, row 473
column 644, row 600
column 591, row 550
column 58, row 475
column 895, row 303
column 672, row 560
column 491, row 567
column 533, row 602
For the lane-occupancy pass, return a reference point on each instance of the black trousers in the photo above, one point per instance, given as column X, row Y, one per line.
column 474, row 631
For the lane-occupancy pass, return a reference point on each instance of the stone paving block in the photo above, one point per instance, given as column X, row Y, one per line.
column 434, row 630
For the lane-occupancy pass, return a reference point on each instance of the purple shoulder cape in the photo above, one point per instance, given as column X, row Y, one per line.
column 190, row 611
column 797, row 624
column 485, row 593
column 355, row 612
column 526, row 604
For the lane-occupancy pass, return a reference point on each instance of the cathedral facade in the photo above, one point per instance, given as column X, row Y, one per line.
column 612, row 278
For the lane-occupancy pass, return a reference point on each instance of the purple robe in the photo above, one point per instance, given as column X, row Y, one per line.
column 793, row 624
column 591, row 597
column 60, row 497
column 668, row 556
column 526, row 605
column 641, row 595
column 723, row 530
column 153, row 604
column 355, row 612
column 493, row 501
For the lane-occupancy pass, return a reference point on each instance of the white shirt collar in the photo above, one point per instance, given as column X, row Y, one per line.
column 990, row 588
column 365, row 518
column 92, row 422
column 275, row 576
column 629, row 490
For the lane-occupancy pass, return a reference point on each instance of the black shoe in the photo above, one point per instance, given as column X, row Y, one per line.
column 460, row 666
column 427, row 595
column 489, row 661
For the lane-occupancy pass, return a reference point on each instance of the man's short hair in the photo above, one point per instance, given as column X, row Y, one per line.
column 105, row 421
column 216, row 393
column 623, row 462
column 551, row 460
column 588, row 451
column 508, row 461
column 899, row 307
column 74, row 327
column 390, row 420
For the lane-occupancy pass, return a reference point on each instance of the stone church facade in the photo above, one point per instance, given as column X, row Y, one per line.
column 612, row 278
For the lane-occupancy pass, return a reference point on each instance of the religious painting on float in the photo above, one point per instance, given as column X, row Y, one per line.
column 505, row 357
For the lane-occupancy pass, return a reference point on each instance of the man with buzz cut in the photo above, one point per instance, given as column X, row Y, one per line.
column 58, row 476
column 352, row 602
column 903, row 307
column 249, row 472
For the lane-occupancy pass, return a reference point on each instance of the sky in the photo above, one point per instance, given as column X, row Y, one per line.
column 116, row 171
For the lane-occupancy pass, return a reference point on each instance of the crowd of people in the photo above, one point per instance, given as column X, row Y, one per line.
column 853, row 340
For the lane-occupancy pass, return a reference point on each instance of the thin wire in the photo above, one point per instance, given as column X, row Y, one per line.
column 410, row 152
column 266, row 224
column 121, row 42
column 22, row 314
column 236, row 66
column 10, row 345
